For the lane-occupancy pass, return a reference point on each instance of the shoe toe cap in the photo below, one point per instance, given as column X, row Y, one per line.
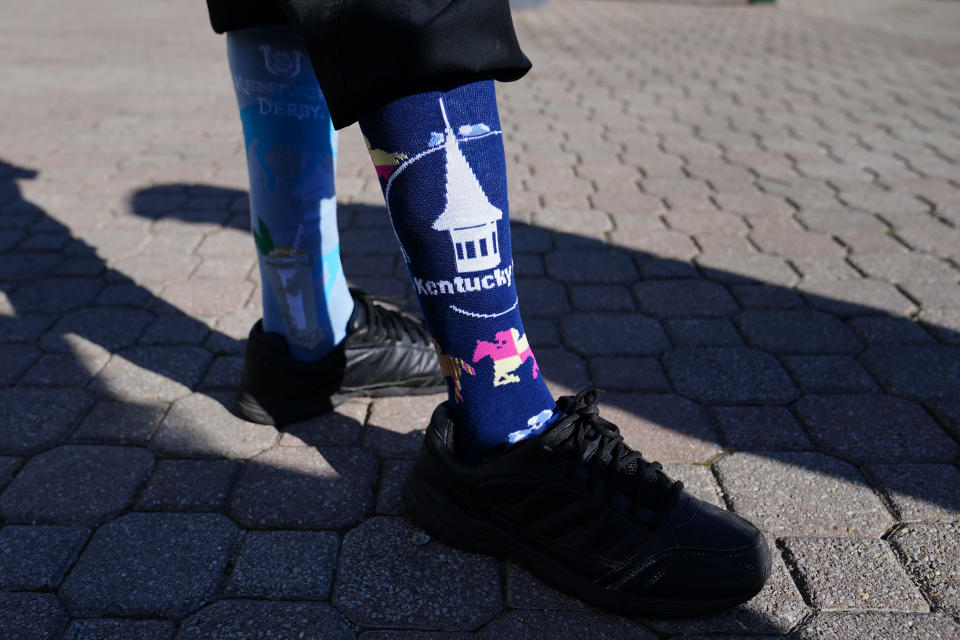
column 708, row 554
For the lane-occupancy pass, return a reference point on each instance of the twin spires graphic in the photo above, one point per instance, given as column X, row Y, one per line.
column 468, row 214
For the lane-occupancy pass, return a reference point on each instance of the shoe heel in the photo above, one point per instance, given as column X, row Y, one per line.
column 445, row 521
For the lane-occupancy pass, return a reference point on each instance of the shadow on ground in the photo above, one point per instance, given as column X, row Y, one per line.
column 813, row 389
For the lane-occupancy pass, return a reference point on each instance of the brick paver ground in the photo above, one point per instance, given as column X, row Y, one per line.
column 742, row 221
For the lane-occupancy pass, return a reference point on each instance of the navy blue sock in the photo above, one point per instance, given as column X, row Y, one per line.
column 291, row 157
column 439, row 156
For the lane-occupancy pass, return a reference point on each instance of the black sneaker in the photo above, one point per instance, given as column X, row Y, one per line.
column 587, row 514
column 385, row 353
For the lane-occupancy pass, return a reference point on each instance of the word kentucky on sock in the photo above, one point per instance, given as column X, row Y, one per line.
column 497, row 278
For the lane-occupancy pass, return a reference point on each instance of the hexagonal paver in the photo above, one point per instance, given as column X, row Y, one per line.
column 391, row 574
column 931, row 554
column 601, row 266
column 785, row 331
column 112, row 329
column 305, row 488
column 851, row 573
column 525, row 591
column 829, row 374
column 747, row 268
column 150, row 374
column 628, row 374
column 37, row 557
column 868, row 626
column 728, row 375
column 921, row 372
column 776, row 609
column 284, row 565
column 32, row 419
column 188, row 485
column 8, row 464
column 31, row 616
column 396, row 425
column 760, row 429
column 875, row 428
column 798, row 493
column 667, row 428
column 254, row 620
column 670, row 298
column 856, row 297
column 75, row 484
column 113, row 629
column 919, row 491
column 342, row 426
column 151, row 564
column 541, row 625
column 208, row 296
column 702, row 332
column 595, row 334
column 392, row 478
column 200, row 425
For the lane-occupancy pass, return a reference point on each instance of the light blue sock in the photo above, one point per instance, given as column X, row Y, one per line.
column 291, row 157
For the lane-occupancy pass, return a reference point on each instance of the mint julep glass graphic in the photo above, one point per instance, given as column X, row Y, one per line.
column 290, row 272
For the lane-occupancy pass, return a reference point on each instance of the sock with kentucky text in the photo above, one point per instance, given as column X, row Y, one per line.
column 439, row 156
column 291, row 156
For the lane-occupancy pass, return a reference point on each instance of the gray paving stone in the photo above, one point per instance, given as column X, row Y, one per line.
column 151, row 564
column 920, row 372
column 697, row 480
column 728, row 375
column 32, row 419
column 200, row 425
column 416, row 635
column 766, row 296
column 652, row 266
column 853, row 573
column 14, row 360
column 670, row 298
column 542, row 297
column 124, row 295
column 188, row 485
column 525, row 591
column 600, row 297
column 8, row 464
column 930, row 553
column 31, row 616
column 800, row 332
column 392, row 478
column 629, row 374
column 207, row 296
column 867, row 626
column 75, row 484
column 342, row 426
column 119, row 423
column 829, row 374
column 61, row 370
column 24, row 327
column 943, row 323
column 175, row 329
column 254, row 620
column 760, row 429
column 747, row 268
column 776, row 609
column 904, row 267
column 226, row 372
column 887, row 330
column 305, row 488
column 18, row 266
column 839, row 220
column 396, row 425
column 602, row 266
column 705, row 332
column 798, row 493
column 919, row 491
column 856, row 297
column 934, row 294
column 388, row 576
column 947, row 413
column 115, row 629
column 37, row 557
column 540, row 625
column 152, row 373
column 110, row 328
column 594, row 334
column 284, row 565
column 55, row 295
column 667, row 428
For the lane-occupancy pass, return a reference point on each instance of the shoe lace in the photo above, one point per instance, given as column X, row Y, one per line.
column 598, row 445
column 387, row 323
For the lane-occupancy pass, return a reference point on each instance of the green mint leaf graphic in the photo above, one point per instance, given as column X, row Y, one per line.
column 262, row 237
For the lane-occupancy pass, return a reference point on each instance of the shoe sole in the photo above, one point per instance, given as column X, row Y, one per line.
column 445, row 521
column 284, row 412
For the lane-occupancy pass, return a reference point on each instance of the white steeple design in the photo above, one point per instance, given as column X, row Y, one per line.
column 468, row 214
